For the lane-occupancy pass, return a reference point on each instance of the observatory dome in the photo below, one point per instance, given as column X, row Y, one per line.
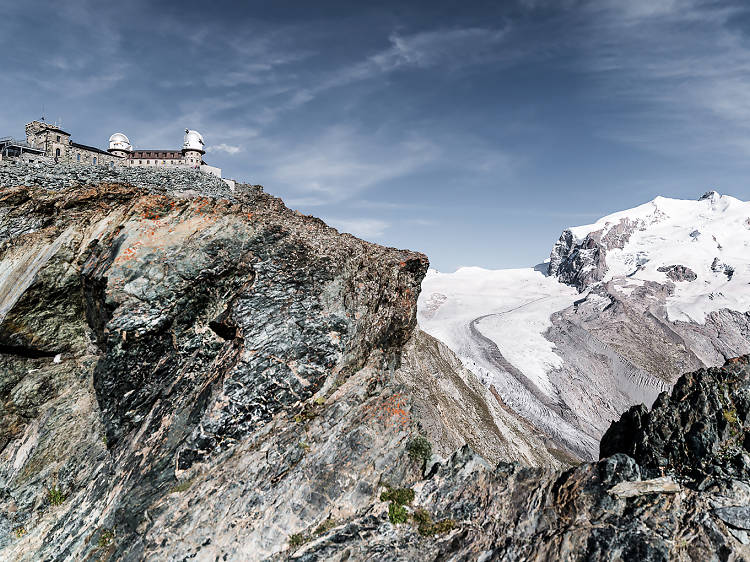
column 193, row 141
column 119, row 141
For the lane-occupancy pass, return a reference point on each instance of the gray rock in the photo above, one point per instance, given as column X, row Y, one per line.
column 678, row 272
column 738, row 517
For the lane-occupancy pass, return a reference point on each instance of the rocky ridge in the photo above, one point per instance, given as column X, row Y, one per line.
column 186, row 375
column 655, row 506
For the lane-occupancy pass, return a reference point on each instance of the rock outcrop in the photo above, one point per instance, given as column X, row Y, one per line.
column 168, row 345
column 614, row 509
column 192, row 373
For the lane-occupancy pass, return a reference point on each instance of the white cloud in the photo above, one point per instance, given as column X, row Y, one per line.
column 228, row 148
column 361, row 227
column 342, row 163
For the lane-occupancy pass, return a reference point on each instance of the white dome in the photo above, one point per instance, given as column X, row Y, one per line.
column 193, row 141
column 119, row 141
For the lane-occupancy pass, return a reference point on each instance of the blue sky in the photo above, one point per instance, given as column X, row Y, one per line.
column 472, row 131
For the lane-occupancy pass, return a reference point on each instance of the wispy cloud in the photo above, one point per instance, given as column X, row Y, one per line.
column 228, row 148
column 362, row 227
column 686, row 65
column 344, row 162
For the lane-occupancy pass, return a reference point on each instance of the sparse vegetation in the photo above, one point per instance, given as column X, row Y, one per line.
column 297, row 539
column 401, row 496
column 419, row 449
column 182, row 486
column 325, row 526
column 427, row 527
column 730, row 415
column 107, row 536
column 19, row 532
column 397, row 513
column 55, row 496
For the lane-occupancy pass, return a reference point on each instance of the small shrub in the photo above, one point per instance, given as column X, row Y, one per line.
column 297, row 539
column 55, row 496
column 400, row 496
column 19, row 532
column 427, row 527
column 419, row 449
column 325, row 526
column 730, row 415
column 397, row 513
column 107, row 536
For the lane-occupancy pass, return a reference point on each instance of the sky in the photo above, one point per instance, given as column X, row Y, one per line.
column 474, row 132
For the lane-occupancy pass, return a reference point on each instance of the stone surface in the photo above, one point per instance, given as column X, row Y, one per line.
column 191, row 374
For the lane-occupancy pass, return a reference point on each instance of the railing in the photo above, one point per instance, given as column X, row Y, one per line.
column 14, row 142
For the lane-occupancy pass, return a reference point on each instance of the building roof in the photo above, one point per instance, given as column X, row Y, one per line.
column 89, row 148
column 48, row 127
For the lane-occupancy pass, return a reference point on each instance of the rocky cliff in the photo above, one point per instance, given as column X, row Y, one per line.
column 188, row 373
column 162, row 345
column 684, row 494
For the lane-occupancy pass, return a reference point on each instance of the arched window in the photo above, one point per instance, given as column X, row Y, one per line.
column 94, row 160
column 78, row 157
column 57, row 152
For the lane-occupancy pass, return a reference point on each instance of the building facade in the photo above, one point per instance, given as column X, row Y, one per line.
column 50, row 143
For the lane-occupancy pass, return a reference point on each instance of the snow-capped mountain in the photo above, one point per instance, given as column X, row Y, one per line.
column 622, row 307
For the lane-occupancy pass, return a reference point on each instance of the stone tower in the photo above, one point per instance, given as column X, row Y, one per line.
column 193, row 149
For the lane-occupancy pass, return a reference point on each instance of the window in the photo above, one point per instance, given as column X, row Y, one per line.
column 57, row 153
column 94, row 159
column 148, row 162
column 58, row 138
column 78, row 157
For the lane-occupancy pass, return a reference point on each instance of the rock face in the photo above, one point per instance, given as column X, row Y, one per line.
column 147, row 334
column 609, row 510
column 191, row 373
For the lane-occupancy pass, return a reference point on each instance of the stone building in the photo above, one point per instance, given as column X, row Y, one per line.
column 50, row 142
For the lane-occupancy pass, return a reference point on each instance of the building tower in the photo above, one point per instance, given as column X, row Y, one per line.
column 119, row 145
column 193, row 149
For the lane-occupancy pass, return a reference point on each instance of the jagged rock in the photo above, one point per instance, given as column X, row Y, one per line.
column 185, row 375
column 719, row 267
column 597, row 511
column 678, row 272
column 662, row 485
column 737, row 516
column 698, row 430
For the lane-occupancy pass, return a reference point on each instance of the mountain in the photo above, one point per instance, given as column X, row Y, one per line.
column 620, row 310
column 191, row 373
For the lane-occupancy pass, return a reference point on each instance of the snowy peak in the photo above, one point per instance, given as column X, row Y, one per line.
column 696, row 247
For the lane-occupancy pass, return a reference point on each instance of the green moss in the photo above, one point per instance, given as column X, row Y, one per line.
column 297, row 539
column 400, row 496
column 19, row 532
column 419, row 449
column 730, row 415
column 397, row 513
column 427, row 527
column 55, row 496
